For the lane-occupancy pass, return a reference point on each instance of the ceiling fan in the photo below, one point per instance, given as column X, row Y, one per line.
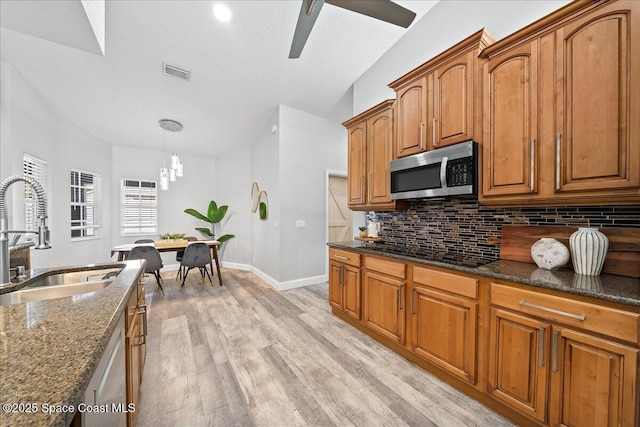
column 385, row 10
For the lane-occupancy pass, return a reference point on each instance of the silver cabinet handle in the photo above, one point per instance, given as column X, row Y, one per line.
column 433, row 132
column 533, row 163
column 413, row 311
column 541, row 348
column 552, row 310
column 400, row 297
column 341, row 257
column 554, row 356
column 443, row 172
column 369, row 183
column 558, row 153
column 144, row 325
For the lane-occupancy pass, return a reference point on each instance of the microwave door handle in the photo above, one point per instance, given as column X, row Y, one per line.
column 443, row 172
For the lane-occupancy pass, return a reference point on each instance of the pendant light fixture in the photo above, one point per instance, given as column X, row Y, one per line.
column 176, row 168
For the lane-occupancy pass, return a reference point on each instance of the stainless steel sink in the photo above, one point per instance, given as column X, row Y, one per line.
column 60, row 285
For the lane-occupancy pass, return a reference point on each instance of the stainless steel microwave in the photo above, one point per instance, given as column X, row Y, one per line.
column 442, row 172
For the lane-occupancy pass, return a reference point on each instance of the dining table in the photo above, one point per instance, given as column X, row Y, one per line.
column 175, row 246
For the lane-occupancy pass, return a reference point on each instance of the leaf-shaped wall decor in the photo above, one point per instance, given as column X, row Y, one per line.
column 264, row 205
column 255, row 197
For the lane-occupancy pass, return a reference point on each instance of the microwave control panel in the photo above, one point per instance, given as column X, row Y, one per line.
column 460, row 172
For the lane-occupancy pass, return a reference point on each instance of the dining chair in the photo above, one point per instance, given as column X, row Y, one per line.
column 198, row 255
column 180, row 254
column 144, row 241
column 154, row 261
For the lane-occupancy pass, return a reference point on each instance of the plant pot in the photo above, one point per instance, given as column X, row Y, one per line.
column 363, row 234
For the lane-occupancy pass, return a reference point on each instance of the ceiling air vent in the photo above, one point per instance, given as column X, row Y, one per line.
column 177, row 72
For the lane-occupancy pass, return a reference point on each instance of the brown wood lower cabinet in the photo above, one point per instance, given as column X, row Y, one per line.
column 135, row 345
column 536, row 357
column 518, row 362
column 588, row 380
column 344, row 282
column 444, row 321
column 594, row 381
column 384, row 305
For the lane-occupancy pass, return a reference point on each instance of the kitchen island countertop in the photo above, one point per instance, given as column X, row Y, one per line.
column 49, row 349
column 608, row 287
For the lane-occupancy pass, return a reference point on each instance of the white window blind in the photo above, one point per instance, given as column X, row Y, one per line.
column 138, row 207
column 86, row 203
column 37, row 169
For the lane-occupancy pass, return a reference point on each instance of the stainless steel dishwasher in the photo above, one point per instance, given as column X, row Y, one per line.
column 105, row 400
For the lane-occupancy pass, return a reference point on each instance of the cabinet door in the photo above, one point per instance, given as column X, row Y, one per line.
column 384, row 305
column 412, row 116
column 510, row 122
column 452, row 120
column 594, row 381
column 598, row 94
column 132, row 346
column 444, row 330
column 357, row 153
column 335, row 284
column 519, row 362
column 351, row 291
column 379, row 157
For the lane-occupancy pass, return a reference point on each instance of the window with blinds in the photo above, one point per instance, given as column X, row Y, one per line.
column 86, row 204
column 138, row 207
column 37, row 169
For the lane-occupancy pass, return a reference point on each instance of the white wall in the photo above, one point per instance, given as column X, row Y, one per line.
column 309, row 146
column 194, row 190
column 264, row 170
column 447, row 23
column 233, row 188
column 30, row 125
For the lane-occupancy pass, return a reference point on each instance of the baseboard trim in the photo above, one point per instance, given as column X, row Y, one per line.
column 279, row 286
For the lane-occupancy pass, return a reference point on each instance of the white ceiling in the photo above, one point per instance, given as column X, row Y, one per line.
column 240, row 70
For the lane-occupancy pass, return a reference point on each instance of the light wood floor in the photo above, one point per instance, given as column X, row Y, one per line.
column 244, row 355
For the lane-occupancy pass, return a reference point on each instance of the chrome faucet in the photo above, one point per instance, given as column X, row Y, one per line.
column 43, row 231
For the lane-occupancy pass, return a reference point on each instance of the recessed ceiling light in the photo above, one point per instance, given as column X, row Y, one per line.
column 222, row 12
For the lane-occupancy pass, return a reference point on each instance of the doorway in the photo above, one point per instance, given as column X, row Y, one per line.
column 340, row 217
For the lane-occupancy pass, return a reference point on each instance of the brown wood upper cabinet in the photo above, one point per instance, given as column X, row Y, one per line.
column 370, row 141
column 438, row 102
column 561, row 108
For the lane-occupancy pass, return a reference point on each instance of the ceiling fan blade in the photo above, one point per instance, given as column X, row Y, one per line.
column 308, row 14
column 385, row 10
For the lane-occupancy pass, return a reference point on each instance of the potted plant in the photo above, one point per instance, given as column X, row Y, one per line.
column 214, row 215
column 363, row 231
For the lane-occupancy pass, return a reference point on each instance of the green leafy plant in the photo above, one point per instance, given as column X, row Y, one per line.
column 174, row 236
column 362, row 228
column 214, row 215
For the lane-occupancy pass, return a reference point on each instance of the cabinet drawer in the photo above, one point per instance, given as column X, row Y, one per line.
column 345, row 257
column 390, row 268
column 465, row 286
column 616, row 323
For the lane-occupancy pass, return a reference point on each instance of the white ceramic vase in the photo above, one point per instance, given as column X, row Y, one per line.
column 588, row 249
column 549, row 254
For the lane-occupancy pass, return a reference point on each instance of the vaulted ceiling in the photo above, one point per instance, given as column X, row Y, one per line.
column 240, row 70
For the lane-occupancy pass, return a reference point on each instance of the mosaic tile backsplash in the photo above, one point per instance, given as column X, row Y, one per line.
column 465, row 228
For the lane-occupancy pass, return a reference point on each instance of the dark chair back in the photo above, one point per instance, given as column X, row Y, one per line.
column 151, row 254
column 196, row 255
column 144, row 241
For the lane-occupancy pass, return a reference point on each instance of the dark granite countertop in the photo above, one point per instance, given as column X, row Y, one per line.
column 618, row 289
column 49, row 349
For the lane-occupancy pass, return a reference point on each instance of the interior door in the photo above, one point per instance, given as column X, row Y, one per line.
column 340, row 216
